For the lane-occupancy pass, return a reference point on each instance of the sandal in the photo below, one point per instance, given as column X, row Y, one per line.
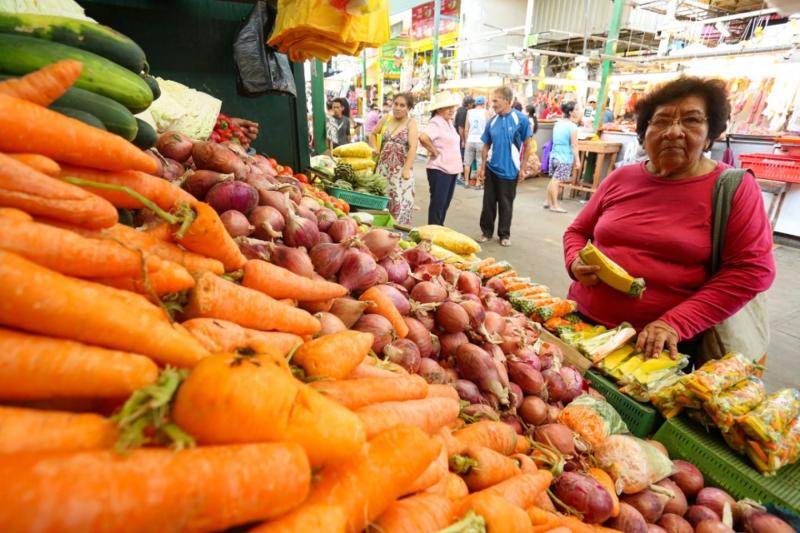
column 545, row 206
column 483, row 238
column 505, row 242
column 559, row 210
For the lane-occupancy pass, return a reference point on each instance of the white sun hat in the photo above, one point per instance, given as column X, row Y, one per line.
column 442, row 100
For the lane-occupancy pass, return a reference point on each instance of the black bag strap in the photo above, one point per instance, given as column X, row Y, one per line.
column 722, row 202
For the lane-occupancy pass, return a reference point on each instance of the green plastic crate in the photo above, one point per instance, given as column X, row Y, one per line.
column 642, row 419
column 726, row 469
column 359, row 199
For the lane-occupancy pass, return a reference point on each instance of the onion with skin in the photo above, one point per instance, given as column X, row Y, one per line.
column 468, row 391
column 428, row 292
column 715, row 499
column 325, row 217
column 452, row 318
column 763, row 522
column 553, row 413
column 253, row 248
column 647, row 502
column 405, row 353
column 301, row 232
column 409, row 283
column 382, row 277
column 236, row 223
column 327, row 258
column 267, row 221
column 348, row 310
column 432, row 372
column 498, row 305
column 675, row 523
column 172, row 170
column 330, row 324
column 527, row 355
column 436, row 348
column 533, row 410
column 451, row 342
column 497, row 286
column 712, row 526
column 516, row 395
column 306, row 213
column 212, row 156
column 469, row 283
column 430, row 272
column 677, row 504
column 450, row 274
column 342, row 229
column 294, row 259
column 514, row 422
column 584, row 494
column 557, row 435
column 652, row 528
column 480, row 411
column 687, row 477
column 275, row 199
column 396, row 268
column 629, row 520
column 555, row 384
column 699, row 513
column 475, row 313
column 528, row 378
column 380, row 328
column 325, row 238
column 425, row 318
column 310, row 204
column 418, row 256
column 573, row 383
column 399, row 299
column 493, row 324
column 236, row 195
column 358, row 271
column 381, row 242
column 175, row 145
column 419, row 335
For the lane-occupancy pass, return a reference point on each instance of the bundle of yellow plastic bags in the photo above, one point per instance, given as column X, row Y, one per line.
column 308, row 29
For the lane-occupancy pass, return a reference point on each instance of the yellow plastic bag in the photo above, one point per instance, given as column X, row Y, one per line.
column 447, row 238
column 358, row 163
column 353, row 150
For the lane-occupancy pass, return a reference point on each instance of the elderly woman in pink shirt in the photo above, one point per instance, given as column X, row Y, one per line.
column 443, row 144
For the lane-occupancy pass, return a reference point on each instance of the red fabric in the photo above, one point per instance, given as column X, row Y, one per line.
column 660, row 230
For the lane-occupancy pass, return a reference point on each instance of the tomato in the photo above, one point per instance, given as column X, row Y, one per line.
column 272, row 162
column 288, row 170
column 302, row 178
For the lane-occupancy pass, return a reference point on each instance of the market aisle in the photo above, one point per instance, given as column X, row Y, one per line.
column 536, row 251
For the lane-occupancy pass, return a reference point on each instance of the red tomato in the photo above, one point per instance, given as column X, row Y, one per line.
column 302, row 178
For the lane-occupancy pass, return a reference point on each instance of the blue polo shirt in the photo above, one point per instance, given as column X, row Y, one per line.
column 505, row 134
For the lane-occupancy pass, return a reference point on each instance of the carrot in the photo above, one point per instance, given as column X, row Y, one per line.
column 452, row 444
column 415, row 514
column 526, row 464
column 500, row 516
column 482, row 467
column 38, row 194
column 366, row 370
column 41, row 301
column 223, row 336
column 12, row 213
column 335, row 355
column 305, row 519
column 214, row 297
column 28, row 127
column 523, row 445
column 46, row 85
column 155, row 489
column 601, row 529
column 543, row 519
column 164, row 194
column 442, row 391
column 38, row 162
column 316, row 306
column 42, row 367
column 381, row 304
column 575, row 525
column 522, row 490
column 168, row 277
column 429, row 414
column 357, row 393
column 604, row 479
column 224, row 390
column 387, row 365
column 518, row 286
column 432, row 475
column 279, row 282
column 32, row 430
column 367, row 483
column 456, row 487
column 497, row 436
column 207, row 236
column 560, row 529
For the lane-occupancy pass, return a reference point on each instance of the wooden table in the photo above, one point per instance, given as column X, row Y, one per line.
column 605, row 151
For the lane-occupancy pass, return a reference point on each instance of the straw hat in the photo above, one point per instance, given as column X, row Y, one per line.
column 443, row 99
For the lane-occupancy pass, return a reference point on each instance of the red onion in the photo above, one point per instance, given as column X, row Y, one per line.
column 235, row 147
column 715, row 499
column 325, row 217
column 306, row 213
column 358, row 271
column 573, row 382
column 514, row 422
column 451, row 317
column 712, row 526
column 383, row 277
column 450, row 274
column 275, row 199
column 236, row 223
column 418, row 256
column 212, row 156
column 348, row 310
column 310, row 204
column 432, row 372
column 409, row 283
column 497, row 305
column 159, row 159
column 450, row 342
column 330, row 324
column 471, row 298
column 404, row 353
column 172, row 170
column 436, row 347
column 175, row 145
column 429, row 271
column 469, row 283
column 425, row 318
column 497, row 286
column 300, row 232
column 399, row 299
column 268, row 222
column 342, row 229
column 475, row 313
column 294, row 259
column 381, row 242
column 232, row 195
column 327, row 258
column 527, row 355
column 380, row 328
column 396, row 268
column 699, row 513
column 493, row 324
column 555, row 384
column 427, row 292
column 324, row 237
column 509, row 342
column 419, row 336
column 253, row 248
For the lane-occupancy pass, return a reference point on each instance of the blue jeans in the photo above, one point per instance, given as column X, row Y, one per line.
column 442, row 186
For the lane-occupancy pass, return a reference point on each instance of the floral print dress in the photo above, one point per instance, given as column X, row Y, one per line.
column 394, row 152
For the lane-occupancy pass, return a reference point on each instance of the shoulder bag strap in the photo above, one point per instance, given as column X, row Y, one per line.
column 722, row 201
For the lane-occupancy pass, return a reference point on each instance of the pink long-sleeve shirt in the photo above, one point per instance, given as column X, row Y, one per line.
column 660, row 230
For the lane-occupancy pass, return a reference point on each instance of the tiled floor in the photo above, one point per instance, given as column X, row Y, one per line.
column 536, row 251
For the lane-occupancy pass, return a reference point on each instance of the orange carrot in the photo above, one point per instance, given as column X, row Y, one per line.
column 357, row 393
column 543, row 501
column 543, row 519
column 305, row 519
column 155, row 489
column 45, row 302
column 164, row 194
column 381, row 304
column 367, row 483
column 366, row 369
column 601, row 529
column 32, row 430
column 526, row 464
column 500, row 516
column 604, row 479
column 46, row 85
column 28, row 127
column 38, row 194
column 12, row 213
column 335, row 355
column 223, row 390
column 387, row 365
column 522, row 490
column 498, row 436
column 279, row 283
column 432, row 475
column 42, row 367
column 456, row 487
column 442, row 391
column 214, row 297
column 415, row 514
column 560, row 529
column 483, row 467
column 317, row 306
column 523, row 445
column 220, row 336
column 429, row 414
column 453, row 445
column 207, row 236
column 167, row 277
column 38, row 162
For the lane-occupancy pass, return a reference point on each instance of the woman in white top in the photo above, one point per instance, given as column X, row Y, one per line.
column 473, row 150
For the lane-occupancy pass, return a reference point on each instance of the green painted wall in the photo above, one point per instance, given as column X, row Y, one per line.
column 191, row 41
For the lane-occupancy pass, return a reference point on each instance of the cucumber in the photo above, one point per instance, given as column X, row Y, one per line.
column 21, row 55
column 153, row 84
column 146, row 136
column 82, row 34
column 78, row 114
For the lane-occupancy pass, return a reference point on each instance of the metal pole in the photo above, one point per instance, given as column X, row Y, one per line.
column 437, row 17
column 528, row 22
column 365, row 99
column 318, row 106
column 585, row 25
column 608, row 65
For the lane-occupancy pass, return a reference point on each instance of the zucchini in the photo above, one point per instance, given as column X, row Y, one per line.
column 146, row 136
column 153, row 84
column 82, row 34
column 20, row 55
column 611, row 273
column 79, row 114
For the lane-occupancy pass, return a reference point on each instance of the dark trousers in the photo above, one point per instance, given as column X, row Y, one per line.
column 498, row 192
column 442, row 186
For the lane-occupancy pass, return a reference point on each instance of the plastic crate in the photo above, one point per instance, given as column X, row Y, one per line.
column 359, row 199
column 642, row 419
column 773, row 166
column 724, row 468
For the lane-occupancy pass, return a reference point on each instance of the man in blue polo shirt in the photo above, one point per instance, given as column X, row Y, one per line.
column 505, row 134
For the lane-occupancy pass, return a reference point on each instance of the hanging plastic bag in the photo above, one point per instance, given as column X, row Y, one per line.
column 633, row 463
column 260, row 69
column 593, row 419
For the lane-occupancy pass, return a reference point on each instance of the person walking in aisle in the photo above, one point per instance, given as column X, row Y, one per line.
column 442, row 142
column 338, row 128
column 397, row 152
column 507, row 134
column 473, row 151
column 461, row 122
column 564, row 154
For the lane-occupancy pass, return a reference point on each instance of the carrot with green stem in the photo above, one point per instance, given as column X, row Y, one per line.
column 194, row 490
column 28, row 127
column 220, row 336
column 432, row 475
column 423, row 512
column 522, row 490
column 207, row 236
column 42, row 301
column 429, row 414
column 35, row 430
column 335, row 355
column 215, row 297
column 33, row 367
column 523, row 445
column 38, row 194
column 279, row 283
column 526, row 464
column 46, row 85
column 305, row 519
column 38, row 162
column 453, row 445
column 367, row 370
column 357, row 393
column 167, row 277
column 367, row 483
column 497, row 436
column 483, row 467
column 380, row 304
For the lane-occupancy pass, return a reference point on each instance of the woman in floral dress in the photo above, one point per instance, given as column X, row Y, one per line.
column 398, row 149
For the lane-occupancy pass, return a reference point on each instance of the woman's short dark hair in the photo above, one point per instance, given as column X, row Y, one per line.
column 567, row 108
column 712, row 91
column 407, row 97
